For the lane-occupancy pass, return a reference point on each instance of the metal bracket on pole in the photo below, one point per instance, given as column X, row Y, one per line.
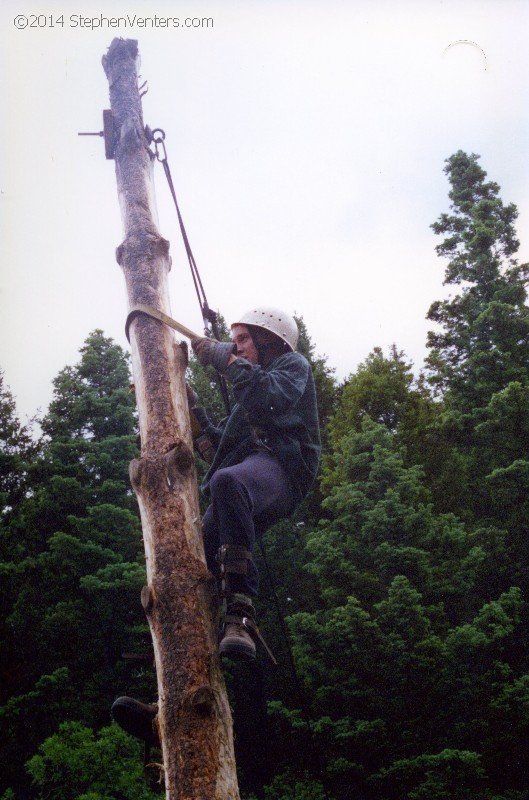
column 107, row 133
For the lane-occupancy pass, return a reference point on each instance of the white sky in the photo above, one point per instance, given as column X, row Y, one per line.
column 307, row 141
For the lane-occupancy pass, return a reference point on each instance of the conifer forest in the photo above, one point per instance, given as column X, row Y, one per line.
column 396, row 599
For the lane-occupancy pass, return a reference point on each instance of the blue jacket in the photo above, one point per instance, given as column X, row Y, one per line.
column 276, row 405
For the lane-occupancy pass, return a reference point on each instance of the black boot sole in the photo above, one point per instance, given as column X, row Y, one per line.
column 135, row 718
column 239, row 652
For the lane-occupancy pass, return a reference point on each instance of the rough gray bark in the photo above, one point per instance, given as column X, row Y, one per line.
column 194, row 719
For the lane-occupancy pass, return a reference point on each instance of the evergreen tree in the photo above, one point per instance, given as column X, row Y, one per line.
column 479, row 359
column 413, row 638
column 72, row 585
column 75, row 764
column 382, row 524
column 17, row 450
column 381, row 388
column 483, row 344
column 385, row 389
column 403, row 661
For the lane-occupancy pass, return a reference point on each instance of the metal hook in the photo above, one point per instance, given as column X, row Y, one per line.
column 158, row 136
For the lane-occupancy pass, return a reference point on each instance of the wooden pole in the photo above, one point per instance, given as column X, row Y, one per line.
column 194, row 719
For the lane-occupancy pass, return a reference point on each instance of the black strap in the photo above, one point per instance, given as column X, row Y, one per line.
column 233, row 559
column 235, row 552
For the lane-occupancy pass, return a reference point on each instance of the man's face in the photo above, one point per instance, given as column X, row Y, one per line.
column 245, row 346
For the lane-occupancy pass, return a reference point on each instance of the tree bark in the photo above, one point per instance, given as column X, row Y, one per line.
column 194, row 719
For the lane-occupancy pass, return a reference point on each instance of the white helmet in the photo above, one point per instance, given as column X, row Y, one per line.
column 274, row 320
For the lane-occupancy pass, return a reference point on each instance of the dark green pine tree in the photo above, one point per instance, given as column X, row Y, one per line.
column 72, row 583
column 479, row 359
column 18, row 450
column 403, row 662
column 483, row 341
column 385, row 389
column 382, row 388
column 77, row 764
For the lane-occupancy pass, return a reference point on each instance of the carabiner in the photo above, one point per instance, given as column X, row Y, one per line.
column 159, row 144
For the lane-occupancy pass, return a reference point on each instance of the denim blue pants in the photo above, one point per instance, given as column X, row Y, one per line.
column 246, row 499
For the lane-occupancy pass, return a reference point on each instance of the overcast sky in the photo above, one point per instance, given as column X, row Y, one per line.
column 307, row 142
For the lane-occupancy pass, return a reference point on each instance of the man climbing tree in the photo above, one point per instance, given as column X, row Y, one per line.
column 267, row 455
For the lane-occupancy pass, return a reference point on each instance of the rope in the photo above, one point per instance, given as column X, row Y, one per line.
column 208, row 315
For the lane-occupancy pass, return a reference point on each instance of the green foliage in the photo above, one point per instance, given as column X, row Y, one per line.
column 17, row 449
column 380, row 389
column 71, row 585
column 384, row 390
column 92, row 401
column 479, row 359
column 75, row 763
column 484, row 344
column 381, row 523
column 386, row 682
column 441, row 776
column 287, row 787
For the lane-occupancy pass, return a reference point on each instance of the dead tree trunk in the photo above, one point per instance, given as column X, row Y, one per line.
column 194, row 719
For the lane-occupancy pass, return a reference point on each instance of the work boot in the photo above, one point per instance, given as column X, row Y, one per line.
column 137, row 719
column 237, row 640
